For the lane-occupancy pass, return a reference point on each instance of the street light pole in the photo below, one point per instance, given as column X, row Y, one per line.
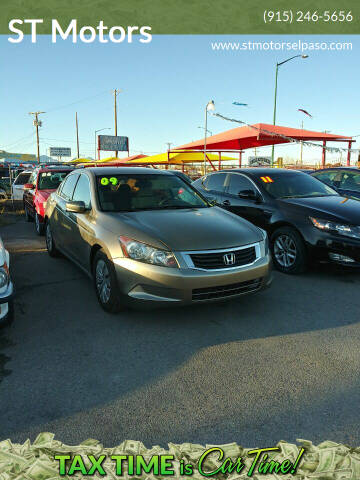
column 275, row 95
column 210, row 106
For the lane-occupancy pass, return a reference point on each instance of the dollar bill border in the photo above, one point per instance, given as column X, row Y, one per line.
column 35, row 461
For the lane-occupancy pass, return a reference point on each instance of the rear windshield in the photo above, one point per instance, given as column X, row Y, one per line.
column 22, row 179
column 120, row 193
column 51, row 180
column 293, row 185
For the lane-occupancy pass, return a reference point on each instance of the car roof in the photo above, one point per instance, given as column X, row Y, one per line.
column 55, row 169
column 124, row 170
column 256, row 171
column 355, row 169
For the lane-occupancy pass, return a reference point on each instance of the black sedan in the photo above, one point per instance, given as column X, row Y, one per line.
column 345, row 180
column 306, row 220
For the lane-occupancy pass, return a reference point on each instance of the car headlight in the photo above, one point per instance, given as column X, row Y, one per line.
column 264, row 244
column 145, row 253
column 4, row 276
column 352, row 231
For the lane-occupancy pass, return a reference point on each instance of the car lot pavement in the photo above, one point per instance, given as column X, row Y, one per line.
column 283, row 364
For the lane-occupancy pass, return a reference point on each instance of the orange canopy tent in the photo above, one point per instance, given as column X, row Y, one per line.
column 262, row 134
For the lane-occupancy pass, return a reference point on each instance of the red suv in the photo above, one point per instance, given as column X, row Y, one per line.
column 42, row 182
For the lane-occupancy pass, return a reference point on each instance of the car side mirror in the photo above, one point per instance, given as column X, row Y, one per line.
column 75, row 206
column 211, row 200
column 29, row 186
column 250, row 195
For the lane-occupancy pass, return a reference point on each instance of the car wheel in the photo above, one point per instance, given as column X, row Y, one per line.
column 39, row 226
column 288, row 251
column 50, row 243
column 28, row 217
column 105, row 282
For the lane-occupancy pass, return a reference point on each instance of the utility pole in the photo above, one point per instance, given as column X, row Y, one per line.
column 168, row 144
column 116, row 93
column 37, row 123
column 77, row 134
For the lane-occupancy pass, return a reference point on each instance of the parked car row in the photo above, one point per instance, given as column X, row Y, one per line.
column 40, row 184
column 6, row 287
column 152, row 237
column 306, row 219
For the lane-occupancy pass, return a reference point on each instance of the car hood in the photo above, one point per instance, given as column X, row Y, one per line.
column 185, row 229
column 336, row 207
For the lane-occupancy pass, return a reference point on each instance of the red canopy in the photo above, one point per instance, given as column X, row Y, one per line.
column 260, row 135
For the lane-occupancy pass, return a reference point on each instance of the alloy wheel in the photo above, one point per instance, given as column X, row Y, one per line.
column 102, row 277
column 285, row 251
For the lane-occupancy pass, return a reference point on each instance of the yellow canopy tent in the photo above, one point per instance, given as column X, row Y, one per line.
column 75, row 161
column 181, row 157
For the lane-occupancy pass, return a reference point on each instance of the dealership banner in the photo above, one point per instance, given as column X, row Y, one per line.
column 47, row 458
column 196, row 17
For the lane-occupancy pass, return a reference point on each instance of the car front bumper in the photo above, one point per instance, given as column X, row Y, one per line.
column 325, row 246
column 141, row 283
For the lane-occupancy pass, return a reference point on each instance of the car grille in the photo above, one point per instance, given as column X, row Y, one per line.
column 209, row 261
column 226, row 290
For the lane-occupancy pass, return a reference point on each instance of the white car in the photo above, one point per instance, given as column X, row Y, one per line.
column 17, row 188
column 6, row 288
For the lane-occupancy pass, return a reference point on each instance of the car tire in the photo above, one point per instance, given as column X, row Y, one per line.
column 288, row 251
column 28, row 217
column 8, row 320
column 39, row 226
column 105, row 283
column 50, row 243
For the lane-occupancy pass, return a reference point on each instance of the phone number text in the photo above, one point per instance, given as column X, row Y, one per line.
column 290, row 16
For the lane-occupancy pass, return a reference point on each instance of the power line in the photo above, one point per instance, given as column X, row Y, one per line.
column 76, row 101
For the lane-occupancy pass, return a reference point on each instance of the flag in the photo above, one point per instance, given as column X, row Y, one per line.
column 304, row 111
column 240, row 104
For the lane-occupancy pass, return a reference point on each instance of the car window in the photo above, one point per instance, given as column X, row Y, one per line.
column 22, row 179
column 200, row 182
column 51, row 180
column 330, row 177
column 292, row 184
column 239, row 183
column 216, row 182
column 82, row 191
column 68, row 186
column 133, row 192
column 351, row 181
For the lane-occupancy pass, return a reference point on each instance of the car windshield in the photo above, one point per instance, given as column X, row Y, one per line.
column 133, row 192
column 294, row 185
column 51, row 180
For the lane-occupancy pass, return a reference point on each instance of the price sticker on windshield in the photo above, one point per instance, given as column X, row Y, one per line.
column 105, row 181
column 267, row 179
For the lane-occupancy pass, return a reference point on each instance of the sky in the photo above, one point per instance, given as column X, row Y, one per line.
column 165, row 86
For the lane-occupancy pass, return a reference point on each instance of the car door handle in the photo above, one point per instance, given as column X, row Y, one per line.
column 226, row 202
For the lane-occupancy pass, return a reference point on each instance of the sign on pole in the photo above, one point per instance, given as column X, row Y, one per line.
column 60, row 152
column 259, row 161
column 113, row 143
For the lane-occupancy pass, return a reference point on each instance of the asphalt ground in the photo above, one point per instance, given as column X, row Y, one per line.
column 283, row 364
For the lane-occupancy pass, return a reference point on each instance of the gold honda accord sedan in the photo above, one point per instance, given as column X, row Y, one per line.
column 147, row 237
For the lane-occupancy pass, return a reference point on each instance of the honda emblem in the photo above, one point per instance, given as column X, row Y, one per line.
column 229, row 258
